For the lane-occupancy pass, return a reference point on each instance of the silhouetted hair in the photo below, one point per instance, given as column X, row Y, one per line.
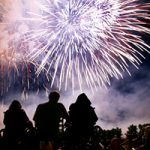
column 54, row 96
column 83, row 99
column 15, row 105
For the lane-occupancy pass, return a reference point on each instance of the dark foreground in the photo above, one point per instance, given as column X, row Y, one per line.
column 137, row 138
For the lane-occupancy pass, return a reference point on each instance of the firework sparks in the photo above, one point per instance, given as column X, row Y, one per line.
column 84, row 41
column 91, row 40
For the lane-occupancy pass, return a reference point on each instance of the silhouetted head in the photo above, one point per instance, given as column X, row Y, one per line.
column 54, row 97
column 15, row 105
column 82, row 99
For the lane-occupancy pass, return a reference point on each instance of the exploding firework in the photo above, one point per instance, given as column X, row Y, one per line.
column 87, row 40
column 80, row 41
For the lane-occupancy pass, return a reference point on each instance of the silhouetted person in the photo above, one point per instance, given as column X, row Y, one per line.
column 82, row 118
column 15, row 121
column 47, row 118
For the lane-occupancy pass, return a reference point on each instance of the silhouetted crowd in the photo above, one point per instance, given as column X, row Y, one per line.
column 56, row 129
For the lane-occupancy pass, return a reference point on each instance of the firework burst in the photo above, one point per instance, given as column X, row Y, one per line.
column 88, row 40
column 85, row 41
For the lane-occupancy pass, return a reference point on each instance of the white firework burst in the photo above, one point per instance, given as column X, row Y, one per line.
column 87, row 40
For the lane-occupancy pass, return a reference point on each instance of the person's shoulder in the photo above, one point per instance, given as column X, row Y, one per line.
column 19, row 112
column 61, row 106
column 6, row 112
column 42, row 105
column 72, row 106
column 22, row 110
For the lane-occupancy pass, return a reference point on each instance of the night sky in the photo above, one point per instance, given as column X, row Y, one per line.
column 124, row 102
